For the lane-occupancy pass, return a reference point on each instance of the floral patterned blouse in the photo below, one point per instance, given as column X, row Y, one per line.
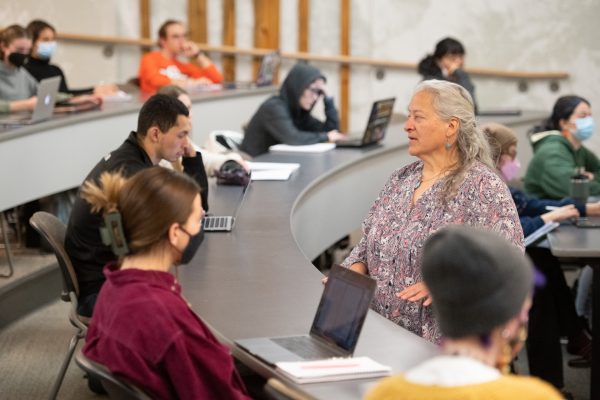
column 395, row 231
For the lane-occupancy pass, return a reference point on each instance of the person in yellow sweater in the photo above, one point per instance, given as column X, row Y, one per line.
column 481, row 289
column 162, row 67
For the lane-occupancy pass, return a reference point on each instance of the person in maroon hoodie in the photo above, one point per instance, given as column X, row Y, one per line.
column 142, row 328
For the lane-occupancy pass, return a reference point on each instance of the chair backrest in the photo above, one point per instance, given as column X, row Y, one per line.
column 117, row 388
column 53, row 231
column 277, row 390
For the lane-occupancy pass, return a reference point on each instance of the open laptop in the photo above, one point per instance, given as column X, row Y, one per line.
column 336, row 326
column 46, row 94
column 221, row 223
column 379, row 119
column 588, row 222
column 265, row 76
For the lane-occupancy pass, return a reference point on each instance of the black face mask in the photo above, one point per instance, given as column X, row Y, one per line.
column 195, row 240
column 17, row 59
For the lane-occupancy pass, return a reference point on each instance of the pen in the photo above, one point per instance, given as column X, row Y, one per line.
column 551, row 208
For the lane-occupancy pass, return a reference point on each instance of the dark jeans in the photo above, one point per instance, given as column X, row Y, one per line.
column 552, row 315
column 85, row 305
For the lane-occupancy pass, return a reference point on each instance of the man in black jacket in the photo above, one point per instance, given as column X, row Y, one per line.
column 162, row 133
column 286, row 118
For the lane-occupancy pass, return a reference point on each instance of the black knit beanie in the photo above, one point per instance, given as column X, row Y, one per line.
column 477, row 280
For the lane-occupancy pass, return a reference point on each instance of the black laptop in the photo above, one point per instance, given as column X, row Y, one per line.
column 336, row 326
column 379, row 119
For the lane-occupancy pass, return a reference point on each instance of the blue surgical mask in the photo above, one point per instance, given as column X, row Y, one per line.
column 46, row 50
column 585, row 128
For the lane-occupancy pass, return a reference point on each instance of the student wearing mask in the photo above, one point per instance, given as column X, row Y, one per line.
column 559, row 150
column 18, row 88
column 43, row 36
column 553, row 313
column 446, row 63
column 286, row 118
column 162, row 67
column 143, row 329
column 162, row 133
column 481, row 289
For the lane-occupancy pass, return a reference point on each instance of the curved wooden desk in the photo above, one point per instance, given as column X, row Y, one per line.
column 46, row 158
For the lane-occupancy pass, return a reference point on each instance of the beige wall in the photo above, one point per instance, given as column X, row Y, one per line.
column 507, row 34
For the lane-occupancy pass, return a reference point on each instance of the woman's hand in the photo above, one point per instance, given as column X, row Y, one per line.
column 561, row 214
column 416, row 292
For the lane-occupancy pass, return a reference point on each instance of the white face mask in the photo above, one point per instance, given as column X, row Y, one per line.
column 46, row 50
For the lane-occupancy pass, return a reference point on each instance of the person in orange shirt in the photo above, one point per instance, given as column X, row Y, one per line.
column 162, row 67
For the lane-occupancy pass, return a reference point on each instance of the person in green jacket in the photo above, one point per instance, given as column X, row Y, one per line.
column 559, row 151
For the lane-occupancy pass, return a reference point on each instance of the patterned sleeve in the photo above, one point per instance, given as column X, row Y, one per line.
column 500, row 213
column 359, row 253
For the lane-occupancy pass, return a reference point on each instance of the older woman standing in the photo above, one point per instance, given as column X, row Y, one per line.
column 453, row 183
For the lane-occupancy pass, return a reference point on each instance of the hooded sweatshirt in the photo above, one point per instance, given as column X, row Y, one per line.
column 280, row 119
column 554, row 163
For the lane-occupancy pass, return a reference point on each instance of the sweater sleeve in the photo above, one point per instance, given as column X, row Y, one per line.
column 592, row 164
column 556, row 176
column 4, row 106
column 278, row 123
column 197, row 369
column 211, row 72
column 331, row 122
column 149, row 73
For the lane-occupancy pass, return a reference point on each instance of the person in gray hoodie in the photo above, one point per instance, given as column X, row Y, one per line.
column 286, row 118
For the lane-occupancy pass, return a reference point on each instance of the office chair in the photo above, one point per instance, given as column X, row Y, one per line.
column 117, row 388
column 277, row 390
column 53, row 231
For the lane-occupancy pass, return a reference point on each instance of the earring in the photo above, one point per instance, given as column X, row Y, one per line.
column 507, row 354
column 448, row 145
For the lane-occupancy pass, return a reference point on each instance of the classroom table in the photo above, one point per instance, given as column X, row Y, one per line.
column 582, row 246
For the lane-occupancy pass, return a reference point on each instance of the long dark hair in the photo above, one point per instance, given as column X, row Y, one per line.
column 563, row 109
column 36, row 27
column 428, row 66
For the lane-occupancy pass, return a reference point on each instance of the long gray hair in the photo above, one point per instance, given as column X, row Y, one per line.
column 453, row 101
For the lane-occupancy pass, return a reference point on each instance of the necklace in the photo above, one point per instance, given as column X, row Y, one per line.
column 421, row 181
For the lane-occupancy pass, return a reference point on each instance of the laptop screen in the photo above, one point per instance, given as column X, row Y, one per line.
column 343, row 307
column 380, row 117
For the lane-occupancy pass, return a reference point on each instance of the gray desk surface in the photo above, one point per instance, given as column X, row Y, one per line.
column 569, row 241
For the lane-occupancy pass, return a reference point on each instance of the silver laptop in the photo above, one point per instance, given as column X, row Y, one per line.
column 335, row 328
column 46, row 95
column 265, row 76
column 379, row 119
column 224, row 223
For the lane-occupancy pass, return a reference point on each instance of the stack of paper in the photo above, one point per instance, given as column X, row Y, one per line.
column 309, row 148
column 265, row 171
column 333, row 369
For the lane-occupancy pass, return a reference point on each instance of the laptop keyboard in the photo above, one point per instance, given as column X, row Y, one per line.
column 304, row 347
column 215, row 222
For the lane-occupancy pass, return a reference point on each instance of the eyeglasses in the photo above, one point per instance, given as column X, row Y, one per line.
column 315, row 91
